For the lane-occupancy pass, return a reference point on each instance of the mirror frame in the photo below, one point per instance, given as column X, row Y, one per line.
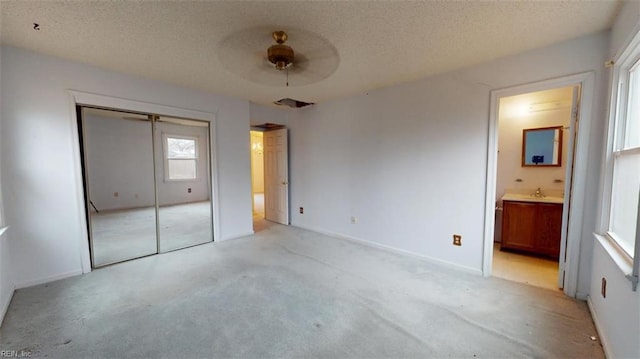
column 524, row 146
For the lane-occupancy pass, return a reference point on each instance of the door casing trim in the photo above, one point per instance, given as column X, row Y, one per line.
column 581, row 154
column 79, row 98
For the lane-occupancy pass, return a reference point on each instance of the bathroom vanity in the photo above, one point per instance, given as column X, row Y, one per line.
column 532, row 224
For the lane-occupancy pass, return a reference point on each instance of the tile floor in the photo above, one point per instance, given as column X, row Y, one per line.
column 535, row 271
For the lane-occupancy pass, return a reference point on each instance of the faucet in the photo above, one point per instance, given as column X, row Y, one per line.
column 538, row 193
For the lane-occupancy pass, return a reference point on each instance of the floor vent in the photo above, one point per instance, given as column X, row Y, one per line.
column 292, row 103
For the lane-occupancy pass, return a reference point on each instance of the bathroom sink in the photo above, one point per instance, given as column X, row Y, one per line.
column 531, row 198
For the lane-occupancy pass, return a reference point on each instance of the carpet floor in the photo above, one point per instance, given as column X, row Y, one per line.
column 287, row 292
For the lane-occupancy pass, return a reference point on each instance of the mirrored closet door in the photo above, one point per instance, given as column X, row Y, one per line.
column 182, row 174
column 147, row 183
column 119, row 183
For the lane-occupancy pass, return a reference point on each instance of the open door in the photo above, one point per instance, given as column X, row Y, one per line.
column 575, row 106
column 276, row 176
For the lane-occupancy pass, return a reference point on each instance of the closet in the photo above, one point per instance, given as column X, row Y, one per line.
column 147, row 182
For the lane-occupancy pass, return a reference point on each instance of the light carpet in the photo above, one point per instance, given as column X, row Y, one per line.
column 287, row 292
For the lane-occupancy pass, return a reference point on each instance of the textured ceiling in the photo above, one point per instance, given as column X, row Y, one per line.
column 378, row 43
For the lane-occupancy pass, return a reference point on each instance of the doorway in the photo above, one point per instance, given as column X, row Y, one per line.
column 257, row 175
column 147, row 183
column 270, row 175
column 575, row 174
column 534, row 133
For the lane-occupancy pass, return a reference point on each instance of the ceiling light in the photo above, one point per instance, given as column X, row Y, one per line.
column 548, row 106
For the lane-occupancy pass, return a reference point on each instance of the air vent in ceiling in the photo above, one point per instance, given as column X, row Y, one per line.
column 292, row 103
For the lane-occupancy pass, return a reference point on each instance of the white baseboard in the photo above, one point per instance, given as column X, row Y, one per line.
column 5, row 304
column 53, row 278
column 603, row 338
column 236, row 236
column 582, row 296
column 384, row 247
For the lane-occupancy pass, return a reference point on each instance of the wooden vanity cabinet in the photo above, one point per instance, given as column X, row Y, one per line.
column 532, row 227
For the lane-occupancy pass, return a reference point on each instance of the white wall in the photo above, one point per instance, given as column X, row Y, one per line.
column 39, row 162
column 269, row 114
column 6, row 267
column 410, row 162
column 617, row 315
column 626, row 24
column 7, row 285
column 510, row 152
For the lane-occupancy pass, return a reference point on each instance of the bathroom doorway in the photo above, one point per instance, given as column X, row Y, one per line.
column 576, row 139
column 534, row 134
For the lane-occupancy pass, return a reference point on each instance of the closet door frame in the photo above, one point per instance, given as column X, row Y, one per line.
column 78, row 98
column 82, row 128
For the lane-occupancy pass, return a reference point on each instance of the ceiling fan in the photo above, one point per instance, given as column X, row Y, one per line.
column 280, row 55
column 253, row 55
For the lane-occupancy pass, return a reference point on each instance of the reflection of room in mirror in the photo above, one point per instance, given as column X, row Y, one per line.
column 130, row 233
column 184, row 225
column 119, row 168
column 123, row 234
column 542, row 146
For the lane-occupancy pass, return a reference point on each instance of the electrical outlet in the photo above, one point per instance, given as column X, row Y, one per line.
column 189, row 190
column 354, row 220
column 301, row 210
column 603, row 289
column 457, row 240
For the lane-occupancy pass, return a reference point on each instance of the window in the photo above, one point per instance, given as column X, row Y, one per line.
column 625, row 184
column 181, row 162
column 622, row 195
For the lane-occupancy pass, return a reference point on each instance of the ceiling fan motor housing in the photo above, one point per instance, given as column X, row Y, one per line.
column 280, row 54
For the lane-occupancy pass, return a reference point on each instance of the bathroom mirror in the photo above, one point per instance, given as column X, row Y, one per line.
column 542, row 147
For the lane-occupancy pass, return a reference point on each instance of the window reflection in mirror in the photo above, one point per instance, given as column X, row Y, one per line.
column 542, row 147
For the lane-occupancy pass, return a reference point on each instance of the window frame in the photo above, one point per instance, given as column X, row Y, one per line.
column 165, row 148
column 619, row 108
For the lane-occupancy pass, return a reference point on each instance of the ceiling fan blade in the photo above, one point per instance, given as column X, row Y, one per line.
column 244, row 54
column 313, row 70
column 319, row 53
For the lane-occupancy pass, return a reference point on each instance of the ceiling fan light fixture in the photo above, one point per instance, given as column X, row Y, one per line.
column 280, row 55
